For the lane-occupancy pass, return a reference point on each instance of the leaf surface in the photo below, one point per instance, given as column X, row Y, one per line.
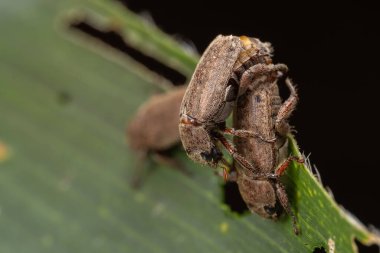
column 65, row 165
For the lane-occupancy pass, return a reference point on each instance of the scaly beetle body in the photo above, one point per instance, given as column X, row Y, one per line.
column 260, row 109
column 223, row 73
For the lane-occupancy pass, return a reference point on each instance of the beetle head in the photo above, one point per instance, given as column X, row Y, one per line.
column 199, row 145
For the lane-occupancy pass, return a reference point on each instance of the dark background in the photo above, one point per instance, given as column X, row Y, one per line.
column 332, row 51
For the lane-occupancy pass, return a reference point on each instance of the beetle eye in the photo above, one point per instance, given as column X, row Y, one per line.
column 206, row 156
column 216, row 154
column 270, row 209
column 213, row 156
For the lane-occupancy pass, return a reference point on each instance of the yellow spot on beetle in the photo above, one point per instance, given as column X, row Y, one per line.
column 245, row 40
column 223, row 227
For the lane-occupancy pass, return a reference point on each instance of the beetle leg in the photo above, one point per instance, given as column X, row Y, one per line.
column 252, row 76
column 233, row 152
column 286, row 109
column 141, row 170
column 245, row 134
column 242, row 161
column 284, row 201
column 228, row 173
column 285, row 164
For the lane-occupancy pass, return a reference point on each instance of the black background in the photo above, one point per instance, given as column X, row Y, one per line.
column 332, row 51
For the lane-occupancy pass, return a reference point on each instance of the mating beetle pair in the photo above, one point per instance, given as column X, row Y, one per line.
column 236, row 73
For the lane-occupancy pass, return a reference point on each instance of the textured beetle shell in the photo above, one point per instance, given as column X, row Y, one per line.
column 204, row 98
column 155, row 125
column 198, row 143
column 256, row 111
column 258, row 194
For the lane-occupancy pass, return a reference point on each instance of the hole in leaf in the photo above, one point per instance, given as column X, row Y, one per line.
column 115, row 40
column 319, row 250
column 233, row 199
column 366, row 249
column 64, row 98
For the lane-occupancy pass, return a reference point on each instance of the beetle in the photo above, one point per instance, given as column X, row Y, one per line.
column 223, row 73
column 261, row 110
column 153, row 139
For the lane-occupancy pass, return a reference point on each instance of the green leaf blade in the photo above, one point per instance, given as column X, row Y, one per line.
column 65, row 164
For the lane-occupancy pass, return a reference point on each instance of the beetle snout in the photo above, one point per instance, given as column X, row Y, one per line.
column 273, row 211
column 207, row 158
column 213, row 156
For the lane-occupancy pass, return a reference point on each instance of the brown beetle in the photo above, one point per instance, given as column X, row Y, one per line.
column 223, row 73
column 262, row 111
column 154, row 129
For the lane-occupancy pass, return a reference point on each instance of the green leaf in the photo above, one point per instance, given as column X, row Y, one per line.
column 141, row 34
column 64, row 163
